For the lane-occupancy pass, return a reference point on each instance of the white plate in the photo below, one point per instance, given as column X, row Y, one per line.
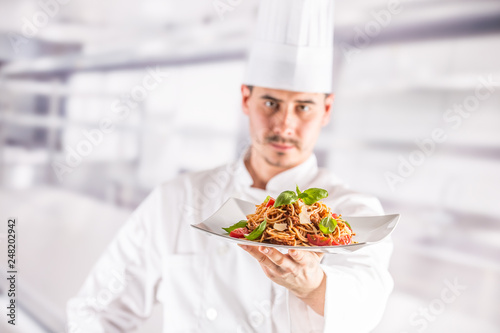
column 369, row 229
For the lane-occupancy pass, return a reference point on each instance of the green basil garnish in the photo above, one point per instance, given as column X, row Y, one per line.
column 312, row 195
column 241, row 224
column 309, row 196
column 327, row 225
column 347, row 223
column 267, row 199
column 286, row 198
column 257, row 232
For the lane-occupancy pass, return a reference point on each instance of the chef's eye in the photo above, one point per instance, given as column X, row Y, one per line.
column 304, row 108
column 271, row 104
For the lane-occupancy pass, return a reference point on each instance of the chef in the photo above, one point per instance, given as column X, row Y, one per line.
column 208, row 285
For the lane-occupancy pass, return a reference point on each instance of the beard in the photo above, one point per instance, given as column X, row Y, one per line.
column 278, row 159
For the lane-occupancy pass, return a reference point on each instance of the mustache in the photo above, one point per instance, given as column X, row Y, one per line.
column 281, row 140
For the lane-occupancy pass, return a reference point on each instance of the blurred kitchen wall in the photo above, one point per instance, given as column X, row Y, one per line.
column 101, row 101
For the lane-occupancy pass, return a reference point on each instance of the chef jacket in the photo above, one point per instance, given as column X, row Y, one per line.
column 210, row 285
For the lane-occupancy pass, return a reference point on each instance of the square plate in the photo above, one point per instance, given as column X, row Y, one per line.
column 369, row 229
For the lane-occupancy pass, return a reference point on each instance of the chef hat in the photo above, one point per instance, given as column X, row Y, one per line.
column 293, row 49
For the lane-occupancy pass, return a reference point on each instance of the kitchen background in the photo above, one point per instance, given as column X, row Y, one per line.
column 102, row 100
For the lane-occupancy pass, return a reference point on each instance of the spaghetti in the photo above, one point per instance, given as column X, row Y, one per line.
column 295, row 224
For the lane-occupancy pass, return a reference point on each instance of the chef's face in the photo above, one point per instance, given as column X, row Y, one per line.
column 284, row 125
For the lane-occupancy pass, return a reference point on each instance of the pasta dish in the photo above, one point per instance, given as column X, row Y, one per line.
column 296, row 219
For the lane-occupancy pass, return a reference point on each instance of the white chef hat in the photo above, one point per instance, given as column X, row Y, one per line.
column 293, row 49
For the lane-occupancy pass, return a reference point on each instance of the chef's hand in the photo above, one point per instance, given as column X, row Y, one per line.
column 298, row 271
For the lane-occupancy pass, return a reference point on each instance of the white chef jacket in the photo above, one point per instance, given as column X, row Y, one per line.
column 209, row 285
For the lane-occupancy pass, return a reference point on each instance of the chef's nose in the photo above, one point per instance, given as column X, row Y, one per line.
column 285, row 122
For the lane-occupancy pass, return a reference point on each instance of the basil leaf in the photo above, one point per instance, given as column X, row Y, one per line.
column 347, row 224
column 267, row 199
column 241, row 224
column 257, row 232
column 286, row 198
column 311, row 195
column 298, row 191
column 327, row 225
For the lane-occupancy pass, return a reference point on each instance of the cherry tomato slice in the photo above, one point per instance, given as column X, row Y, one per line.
column 335, row 216
column 345, row 240
column 319, row 240
column 270, row 202
column 239, row 233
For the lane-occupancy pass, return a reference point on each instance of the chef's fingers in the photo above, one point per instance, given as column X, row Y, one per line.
column 281, row 264
column 319, row 255
column 275, row 256
column 290, row 262
column 300, row 256
column 261, row 257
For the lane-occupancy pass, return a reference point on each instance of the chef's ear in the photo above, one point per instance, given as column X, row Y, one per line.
column 246, row 92
column 328, row 108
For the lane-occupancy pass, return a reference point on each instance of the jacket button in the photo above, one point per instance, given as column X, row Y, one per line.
column 211, row 314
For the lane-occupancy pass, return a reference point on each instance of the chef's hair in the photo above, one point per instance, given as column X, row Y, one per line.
column 251, row 88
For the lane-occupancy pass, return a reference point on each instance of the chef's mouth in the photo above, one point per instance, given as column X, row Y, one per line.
column 282, row 144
